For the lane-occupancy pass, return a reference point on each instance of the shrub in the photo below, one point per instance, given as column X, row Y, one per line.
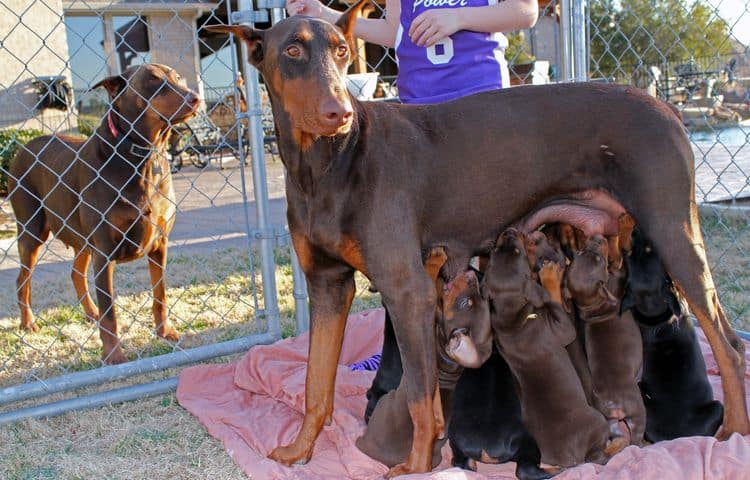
column 10, row 140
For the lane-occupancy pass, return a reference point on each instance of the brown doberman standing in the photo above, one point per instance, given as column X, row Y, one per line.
column 109, row 197
column 371, row 184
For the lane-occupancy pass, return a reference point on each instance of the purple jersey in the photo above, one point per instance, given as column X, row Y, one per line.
column 466, row 62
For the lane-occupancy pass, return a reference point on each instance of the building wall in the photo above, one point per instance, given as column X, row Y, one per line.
column 174, row 42
column 36, row 46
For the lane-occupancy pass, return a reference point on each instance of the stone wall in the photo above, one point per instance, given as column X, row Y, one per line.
column 36, row 46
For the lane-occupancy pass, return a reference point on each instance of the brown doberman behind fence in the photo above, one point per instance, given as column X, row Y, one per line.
column 109, row 197
column 370, row 184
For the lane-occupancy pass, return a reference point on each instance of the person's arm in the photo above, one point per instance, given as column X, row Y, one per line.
column 434, row 25
column 381, row 31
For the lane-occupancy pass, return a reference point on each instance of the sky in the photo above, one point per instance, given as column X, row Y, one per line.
column 735, row 11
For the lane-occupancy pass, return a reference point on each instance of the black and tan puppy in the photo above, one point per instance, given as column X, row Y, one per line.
column 678, row 398
column 109, row 197
column 485, row 423
column 532, row 329
column 613, row 343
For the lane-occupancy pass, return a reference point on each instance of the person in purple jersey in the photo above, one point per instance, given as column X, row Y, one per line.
column 446, row 49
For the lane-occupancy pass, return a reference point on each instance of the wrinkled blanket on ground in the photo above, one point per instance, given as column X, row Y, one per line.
column 257, row 403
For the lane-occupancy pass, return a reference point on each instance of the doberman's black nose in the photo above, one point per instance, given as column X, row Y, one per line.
column 335, row 113
column 192, row 98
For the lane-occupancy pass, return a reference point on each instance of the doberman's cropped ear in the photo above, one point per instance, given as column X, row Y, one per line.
column 252, row 37
column 346, row 24
column 114, row 85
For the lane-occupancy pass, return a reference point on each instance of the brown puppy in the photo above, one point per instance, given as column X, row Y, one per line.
column 548, row 247
column 613, row 342
column 109, row 197
column 388, row 437
column 532, row 330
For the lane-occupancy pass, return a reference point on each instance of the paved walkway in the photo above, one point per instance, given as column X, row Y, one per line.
column 211, row 215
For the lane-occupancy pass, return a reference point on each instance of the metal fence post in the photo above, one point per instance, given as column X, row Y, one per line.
column 265, row 233
column 566, row 42
column 301, row 306
column 579, row 40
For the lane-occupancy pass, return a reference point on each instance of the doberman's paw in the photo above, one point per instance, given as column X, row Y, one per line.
column 734, row 424
column 403, row 469
column 114, row 358
column 168, row 333
column 724, row 433
column 291, row 454
column 30, row 327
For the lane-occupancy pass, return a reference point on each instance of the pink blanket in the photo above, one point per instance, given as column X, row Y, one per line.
column 257, row 403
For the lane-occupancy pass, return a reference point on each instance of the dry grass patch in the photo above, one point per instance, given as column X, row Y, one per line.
column 148, row 439
column 211, row 296
column 727, row 238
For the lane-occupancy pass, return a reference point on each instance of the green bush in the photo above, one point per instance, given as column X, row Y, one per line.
column 87, row 124
column 10, row 140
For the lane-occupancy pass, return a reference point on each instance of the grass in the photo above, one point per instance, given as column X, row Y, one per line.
column 727, row 240
column 210, row 299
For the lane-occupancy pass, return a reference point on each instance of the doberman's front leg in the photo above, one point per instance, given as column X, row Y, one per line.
column 413, row 309
column 331, row 293
column 157, row 262
column 103, row 279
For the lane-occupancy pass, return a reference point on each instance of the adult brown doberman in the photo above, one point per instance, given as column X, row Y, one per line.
column 370, row 184
column 109, row 197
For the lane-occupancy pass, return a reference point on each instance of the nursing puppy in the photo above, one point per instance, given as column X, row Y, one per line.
column 678, row 398
column 532, row 329
column 613, row 343
column 388, row 436
column 485, row 423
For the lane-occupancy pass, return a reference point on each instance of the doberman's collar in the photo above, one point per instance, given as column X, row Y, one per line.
column 136, row 150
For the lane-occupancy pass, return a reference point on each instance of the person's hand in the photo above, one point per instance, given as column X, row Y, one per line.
column 433, row 25
column 312, row 8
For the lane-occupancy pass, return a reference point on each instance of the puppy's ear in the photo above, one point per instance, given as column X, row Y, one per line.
column 114, row 85
column 253, row 39
column 534, row 293
column 346, row 24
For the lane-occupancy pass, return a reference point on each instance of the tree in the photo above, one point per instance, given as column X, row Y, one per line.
column 626, row 34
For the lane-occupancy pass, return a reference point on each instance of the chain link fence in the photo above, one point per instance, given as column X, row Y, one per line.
column 231, row 278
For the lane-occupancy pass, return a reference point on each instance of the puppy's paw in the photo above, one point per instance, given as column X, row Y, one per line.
column 551, row 274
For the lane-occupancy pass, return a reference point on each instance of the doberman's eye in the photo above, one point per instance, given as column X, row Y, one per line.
column 342, row 51
column 293, row 51
column 465, row 303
